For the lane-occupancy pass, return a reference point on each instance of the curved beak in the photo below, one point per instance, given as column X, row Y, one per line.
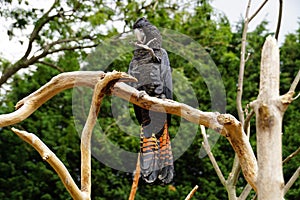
column 140, row 35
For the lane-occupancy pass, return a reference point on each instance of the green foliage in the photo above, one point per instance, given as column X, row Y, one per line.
column 25, row 176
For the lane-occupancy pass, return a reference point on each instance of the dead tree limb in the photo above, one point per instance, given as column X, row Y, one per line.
column 287, row 159
column 225, row 124
column 279, row 20
column 135, row 181
column 100, row 90
column 269, row 111
column 51, row 158
column 211, row 156
column 191, row 194
column 292, row 180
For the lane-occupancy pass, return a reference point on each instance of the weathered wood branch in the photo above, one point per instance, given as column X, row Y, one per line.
column 29, row 104
column 247, row 189
column 225, row 124
column 269, row 109
column 211, row 156
column 191, row 194
column 135, row 181
column 292, row 180
column 295, row 82
column 287, row 159
column 52, row 159
column 100, row 90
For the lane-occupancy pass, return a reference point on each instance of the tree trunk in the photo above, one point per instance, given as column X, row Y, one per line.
column 269, row 113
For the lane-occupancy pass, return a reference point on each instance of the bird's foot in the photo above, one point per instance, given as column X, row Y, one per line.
column 163, row 96
column 141, row 94
column 146, row 46
column 150, row 41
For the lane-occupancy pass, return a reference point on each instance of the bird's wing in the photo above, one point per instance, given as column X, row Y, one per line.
column 166, row 74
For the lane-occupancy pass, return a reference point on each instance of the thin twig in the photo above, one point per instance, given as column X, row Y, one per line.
column 292, row 180
column 191, row 194
column 245, row 192
column 211, row 156
column 135, row 181
column 295, row 82
column 258, row 10
column 51, row 65
column 247, row 120
column 287, row 159
column 296, row 97
column 235, row 171
column 242, row 67
column 279, row 20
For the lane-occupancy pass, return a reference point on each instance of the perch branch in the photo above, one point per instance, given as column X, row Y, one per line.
column 63, row 81
column 135, row 181
column 51, row 158
column 191, row 194
column 225, row 124
column 101, row 88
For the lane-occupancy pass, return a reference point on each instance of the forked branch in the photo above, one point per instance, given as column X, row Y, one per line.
column 100, row 90
column 225, row 124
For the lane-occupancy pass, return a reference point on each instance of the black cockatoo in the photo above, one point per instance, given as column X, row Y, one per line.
column 150, row 65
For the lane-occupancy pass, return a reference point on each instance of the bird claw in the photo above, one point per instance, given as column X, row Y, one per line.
column 141, row 94
column 156, row 58
column 151, row 41
column 163, row 96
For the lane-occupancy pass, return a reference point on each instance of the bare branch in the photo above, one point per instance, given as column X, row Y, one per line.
column 287, row 159
column 136, row 178
column 191, row 194
column 100, row 90
column 279, row 20
column 269, row 112
column 296, row 97
column 242, row 67
column 292, row 180
column 211, row 156
column 247, row 120
column 25, row 61
column 243, row 60
column 245, row 192
column 287, row 98
column 52, row 159
column 225, row 124
column 295, row 82
column 235, row 171
column 257, row 11
column 51, row 65
column 71, row 48
column 38, row 26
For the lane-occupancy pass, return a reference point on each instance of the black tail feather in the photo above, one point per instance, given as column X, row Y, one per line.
column 156, row 160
